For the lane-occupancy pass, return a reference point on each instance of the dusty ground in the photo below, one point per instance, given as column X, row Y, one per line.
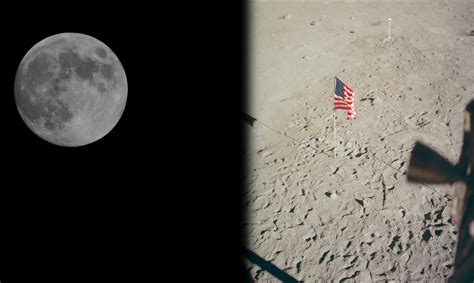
column 354, row 217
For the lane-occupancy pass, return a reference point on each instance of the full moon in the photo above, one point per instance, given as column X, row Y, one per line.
column 70, row 89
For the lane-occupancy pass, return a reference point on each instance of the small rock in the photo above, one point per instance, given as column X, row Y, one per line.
column 289, row 208
column 341, row 277
column 377, row 100
column 310, row 235
column 292, row 222
column 398, row 163
column 367, row 238
column 261, row 203
column 375, row 185
column 312, row 23
column 365, row 276
column 265, row 152
column 333, row 195
column 448, row 264
column 287, row 17
column 275, row 235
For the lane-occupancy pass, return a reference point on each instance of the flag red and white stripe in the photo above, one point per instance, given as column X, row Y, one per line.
column 344, row 99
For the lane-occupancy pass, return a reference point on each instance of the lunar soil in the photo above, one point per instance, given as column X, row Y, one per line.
column 354, row 218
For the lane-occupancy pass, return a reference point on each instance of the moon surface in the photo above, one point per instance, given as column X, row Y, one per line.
column 70, row 89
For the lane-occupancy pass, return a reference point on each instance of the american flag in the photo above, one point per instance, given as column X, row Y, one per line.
column 344, row 99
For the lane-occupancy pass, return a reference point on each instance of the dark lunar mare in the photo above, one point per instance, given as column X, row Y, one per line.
column 37, row 71
column 101, row 52
column 107, row 71
column 37, row 74
column 101, row 87
column 85, row 68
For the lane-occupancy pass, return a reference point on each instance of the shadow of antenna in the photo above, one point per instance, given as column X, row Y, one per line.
column 269, row 267
column 247, row 119
column 427, row 166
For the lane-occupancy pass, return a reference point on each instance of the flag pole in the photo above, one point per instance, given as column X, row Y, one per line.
column 389, row 22
column 335, row 139
column 334, row 120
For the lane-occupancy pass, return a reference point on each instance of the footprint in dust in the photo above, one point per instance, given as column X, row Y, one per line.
column 426, row 235
column 394, row 241
column 264, row 152
column 323, row 256
column 332, row 195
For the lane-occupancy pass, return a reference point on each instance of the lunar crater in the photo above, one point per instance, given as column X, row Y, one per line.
column 101, row 52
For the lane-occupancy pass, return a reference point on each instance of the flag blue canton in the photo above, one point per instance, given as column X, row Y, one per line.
column 339, row 88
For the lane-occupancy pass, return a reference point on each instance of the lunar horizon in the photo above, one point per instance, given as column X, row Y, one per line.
column 70, row 89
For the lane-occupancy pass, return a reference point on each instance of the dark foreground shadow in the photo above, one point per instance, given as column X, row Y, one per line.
column 269, row 267
column 248, row 119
